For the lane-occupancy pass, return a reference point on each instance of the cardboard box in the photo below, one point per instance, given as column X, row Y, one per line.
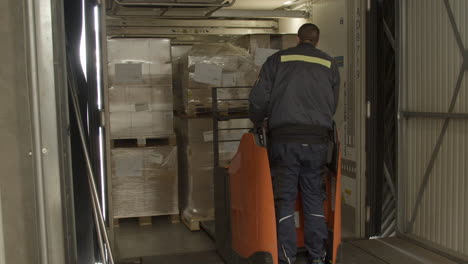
column 144, row 124
column 267, row 41
column 215, row 65
column 263, row 46
column 144, row 182
column 139, row 62
column 140, row 92
column 137, row 99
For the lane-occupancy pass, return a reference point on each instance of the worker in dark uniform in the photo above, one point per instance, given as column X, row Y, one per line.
column 297, row 92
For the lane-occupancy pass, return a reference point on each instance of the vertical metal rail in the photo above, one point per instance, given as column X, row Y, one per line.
column 35, row 118
column 100, row 226
column 99, row 235
column 2, row 242
column 214, row 105
column 373, row 146
column 381, row 118
column 400, row 61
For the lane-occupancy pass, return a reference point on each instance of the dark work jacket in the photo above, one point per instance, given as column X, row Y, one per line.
column 297, row 90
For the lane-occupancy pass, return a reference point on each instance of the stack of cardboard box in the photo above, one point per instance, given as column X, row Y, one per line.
column 144, row 178
column 140, row 92
column 261, row 46
column 207, row 66
column 215, row 65
column 144, row 181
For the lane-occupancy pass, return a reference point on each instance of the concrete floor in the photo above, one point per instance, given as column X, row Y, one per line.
column 166, row 243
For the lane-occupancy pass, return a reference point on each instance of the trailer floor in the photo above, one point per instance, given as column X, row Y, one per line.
column 162, row 242
column 166, row 243
column 388, row 251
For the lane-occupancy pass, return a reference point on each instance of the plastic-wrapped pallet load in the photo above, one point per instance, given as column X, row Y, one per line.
column 179, row 56
column 140, row 92
column 144, row 124
column 196, row 158
column 261, row 46
column 144, row 181
column 216, row 65
column 267, row 41
column 139, row 62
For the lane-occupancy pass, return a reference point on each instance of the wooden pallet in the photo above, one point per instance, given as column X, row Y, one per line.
column 175, row 219
column 145, row 221
column 148, row 220
column 199, row 111
column 207, row 112
column 144, row 142
column 193, row 223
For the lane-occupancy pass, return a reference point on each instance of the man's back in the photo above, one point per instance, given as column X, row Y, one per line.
column 297, row 91
column 301, row 86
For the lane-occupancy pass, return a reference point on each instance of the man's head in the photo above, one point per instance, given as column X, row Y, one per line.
column 309, row 33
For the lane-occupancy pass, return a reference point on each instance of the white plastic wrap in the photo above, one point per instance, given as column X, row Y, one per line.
column 267, row 41
column 131, row 99
column 262, row 46
column 144, row 182
column 141, row 124
column 216, row 65
column 197, row 161
column 139, row 62
column 140, row 92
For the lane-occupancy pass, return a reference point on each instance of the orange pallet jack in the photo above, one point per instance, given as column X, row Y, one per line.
column 252, row 213
column 245, row 222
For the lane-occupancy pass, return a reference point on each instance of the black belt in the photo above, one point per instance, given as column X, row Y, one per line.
column 303, row 134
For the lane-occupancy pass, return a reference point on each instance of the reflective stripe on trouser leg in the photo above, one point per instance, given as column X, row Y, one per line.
column 284, row 218
column 315, row 229
column 282, row 246
column 286, row 230
column 313, row 195
column 285, row 168
column 316, row 215
column 287, row 240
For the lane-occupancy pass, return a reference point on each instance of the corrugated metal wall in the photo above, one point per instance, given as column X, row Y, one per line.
column 433, row 154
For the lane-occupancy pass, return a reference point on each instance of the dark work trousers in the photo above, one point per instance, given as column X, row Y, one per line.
column 295, row 166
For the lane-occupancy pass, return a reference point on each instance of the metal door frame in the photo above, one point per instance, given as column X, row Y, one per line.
column 49, row 118
column 380, row 71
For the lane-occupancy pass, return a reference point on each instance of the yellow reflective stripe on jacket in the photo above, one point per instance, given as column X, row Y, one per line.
column 286, row 58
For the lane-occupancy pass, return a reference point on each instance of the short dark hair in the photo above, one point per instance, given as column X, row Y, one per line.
column 309, row 32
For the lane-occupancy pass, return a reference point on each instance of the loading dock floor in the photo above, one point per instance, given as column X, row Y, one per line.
column 162, row 238
column 166, row 243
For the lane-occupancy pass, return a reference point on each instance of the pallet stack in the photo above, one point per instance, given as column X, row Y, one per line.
column 261, row 46
column 205, row 67
column 144, row 151
column 214, row 65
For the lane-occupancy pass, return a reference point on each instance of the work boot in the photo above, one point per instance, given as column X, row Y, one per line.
column 318, row 261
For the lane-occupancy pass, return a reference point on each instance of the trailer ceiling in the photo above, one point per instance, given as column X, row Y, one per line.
column 258, row 4
column 239, row 4
column 207, row 8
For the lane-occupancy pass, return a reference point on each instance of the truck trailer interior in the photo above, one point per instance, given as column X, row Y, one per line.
column 118, row 118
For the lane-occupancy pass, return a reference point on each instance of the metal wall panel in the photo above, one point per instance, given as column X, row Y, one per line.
column 433, row 152
column 35, row 210
column 341, row 25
